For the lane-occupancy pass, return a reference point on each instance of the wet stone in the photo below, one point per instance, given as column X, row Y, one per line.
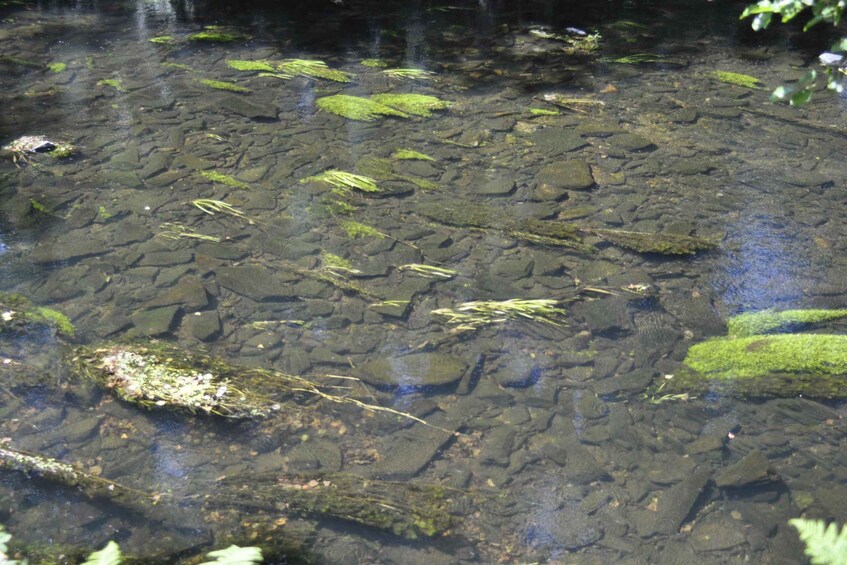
column 631, row 142
column 255, row 283
column 675, row 504
column 716, row 536
column 753, row 468
column 204, row 325
column 121, row 178
column 314, row 455
column 555, row 141
column 568, row 528
column 692, row 166
column 497, row 446
column 607, row 316
column 156, row 164
column 155, row 322
column 190, row 294
column 81, row 216
column 253, row 174
column 244, row 107
column 496, row 187
column 808, row 179
column 594, row 128
column 572, row 174
column 418, row 370
column 513, row 268
column 684, row 116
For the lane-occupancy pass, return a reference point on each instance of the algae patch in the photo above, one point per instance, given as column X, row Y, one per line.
column 410, row 155
column 240, row 65
column 737, row 79
column 415, row 104
column 356, row 108
column 770, row 321
column 222, row 85
column 224, row 179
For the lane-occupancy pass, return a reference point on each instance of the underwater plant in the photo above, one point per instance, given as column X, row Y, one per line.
column 337, row 265
column 240, row 65
column 415, row 104
column 356, row 107
column 428, row 271
column 344, row 181
column 409, row 154
column 313, row 69
column 771, row 321
column 113, row 82
column 57, row 67
column 824, row 545
column 213, row 207
column 224, row 179
column 213, row 34
column 357, row 229
column 178, row 231
column 417, row 74
column 471, row 316
column 374, row 63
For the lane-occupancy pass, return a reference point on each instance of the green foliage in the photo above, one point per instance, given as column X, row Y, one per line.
column 234, row 555
column 409, row 154
column 356, row 108
column 737, row 79
column 416, row 104
column 5, row 537
column 224, row 179
column 417, row 74
column 54, row 318
column 639, row 58
column 222, row 85
column 770, row 321
column 162, row 39
column 239, row 65
column 57, row 67
column 109, row 555
column 471, row 316
column 825, row 545
column 827, row 11
column 543, row 112
column 313, row 69
column 212, row 35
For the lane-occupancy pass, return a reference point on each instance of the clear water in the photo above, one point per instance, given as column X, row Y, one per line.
column 561, row 454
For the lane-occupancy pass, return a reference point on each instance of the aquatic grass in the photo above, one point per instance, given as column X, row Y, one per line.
column 212, row 35
column 337, row 265
column 212, row 207
column 178, row 231
column 471, row 316
column 179, row 66
column 428, row 271
column 416, row 104
column 357, row 229
column 313, row 69
column 162, row 39
column 345, row 181
column 241, row 65
column 57, row 67
column 410, row 154
column 737, row 79
column 226, row 180
column 544, row 112
column 639, row 58
column 280, row 76
column 356, row 108
column 572, row 103
column 222, row 85
column 416, row 74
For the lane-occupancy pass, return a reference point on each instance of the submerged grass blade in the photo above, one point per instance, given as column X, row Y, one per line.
column 474, row 315
column 345, row 181
column 212, row 207
column 178, row 231
column 429, row 271
column 223, row 85
column 241, row 65
column 313, row 69
column 417, row 74
column 415, row 104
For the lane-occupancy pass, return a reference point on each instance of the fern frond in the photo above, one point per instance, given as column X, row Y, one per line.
column 825, row 545
column 109, row 555
column 234, row 555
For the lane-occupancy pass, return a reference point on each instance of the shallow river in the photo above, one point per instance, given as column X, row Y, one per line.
column 550, row 439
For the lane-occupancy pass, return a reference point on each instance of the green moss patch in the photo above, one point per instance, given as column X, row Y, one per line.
column 162, row 39
column 737, row 79
column 57, row 67
column 112, row 82
column 410, row 155
column 770, row 321
column 374, row 63
column 222, row 85
column 313, row 69
column 212, row 35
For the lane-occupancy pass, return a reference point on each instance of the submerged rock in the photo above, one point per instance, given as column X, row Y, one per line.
column 418, row 370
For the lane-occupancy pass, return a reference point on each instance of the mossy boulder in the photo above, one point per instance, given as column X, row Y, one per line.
column 19, row 315
column 784, row 365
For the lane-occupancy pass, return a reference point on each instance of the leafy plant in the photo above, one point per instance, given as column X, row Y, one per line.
column 162, row 39
column 737, row 79
column 410, row 154
column 357, row 229
column 417, row 74
column 356, row 107
column 416, row 104
column 224, row 179
column 250, row 65
column 344, row 181
column 109, row 555
column 234, row 555
column 313, row 69
column 825, row 545
column 828, row 11
column 223, row 85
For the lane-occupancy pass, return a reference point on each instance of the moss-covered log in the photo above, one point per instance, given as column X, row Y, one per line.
column 404, row 509
column 784, row 365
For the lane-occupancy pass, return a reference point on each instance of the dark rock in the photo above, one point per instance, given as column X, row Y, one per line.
column 255, row 282
column 496, row 187
column 631, row 142
column 81, row 216
column 595, row 128
column 754, row 468
column 675, row 504
column 692, row 167
column 808, row 179
column 633, row 381
column 73, row 246
column 716, row 536
column 190, row 294
column 418, row 370
column 121, row 178
column 607, row 316
column 497, row 446
column 155, row 322
column 314, row 455
column 204, row 325
column 156, row 164
column 684, row 116
column 166, row 258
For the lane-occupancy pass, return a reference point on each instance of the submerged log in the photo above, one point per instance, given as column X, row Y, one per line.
column 567, row 234
column 404, row 509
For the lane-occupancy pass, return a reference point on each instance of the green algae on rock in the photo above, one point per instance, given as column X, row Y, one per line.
column 162, row 39
column 222, row 85
column 737, row 79
column 771, row 321
column 410, row 155
column 57, row 67
column 356, row 108
column 416, row 104
column 19, row 315
column 313, row 69
column 113, row 82
column 786, row 365
column 373, row 63
column 213, row 34
column 344, row 181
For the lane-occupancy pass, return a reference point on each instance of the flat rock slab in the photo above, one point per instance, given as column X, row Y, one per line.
column 244, row 107
column 255, row 282
column 675, row 504
column 204, row 325
column 753, row 469
column 418, row 370
column 155, row 322
column 631, row 142
column 555, row 141
column 572, row 174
